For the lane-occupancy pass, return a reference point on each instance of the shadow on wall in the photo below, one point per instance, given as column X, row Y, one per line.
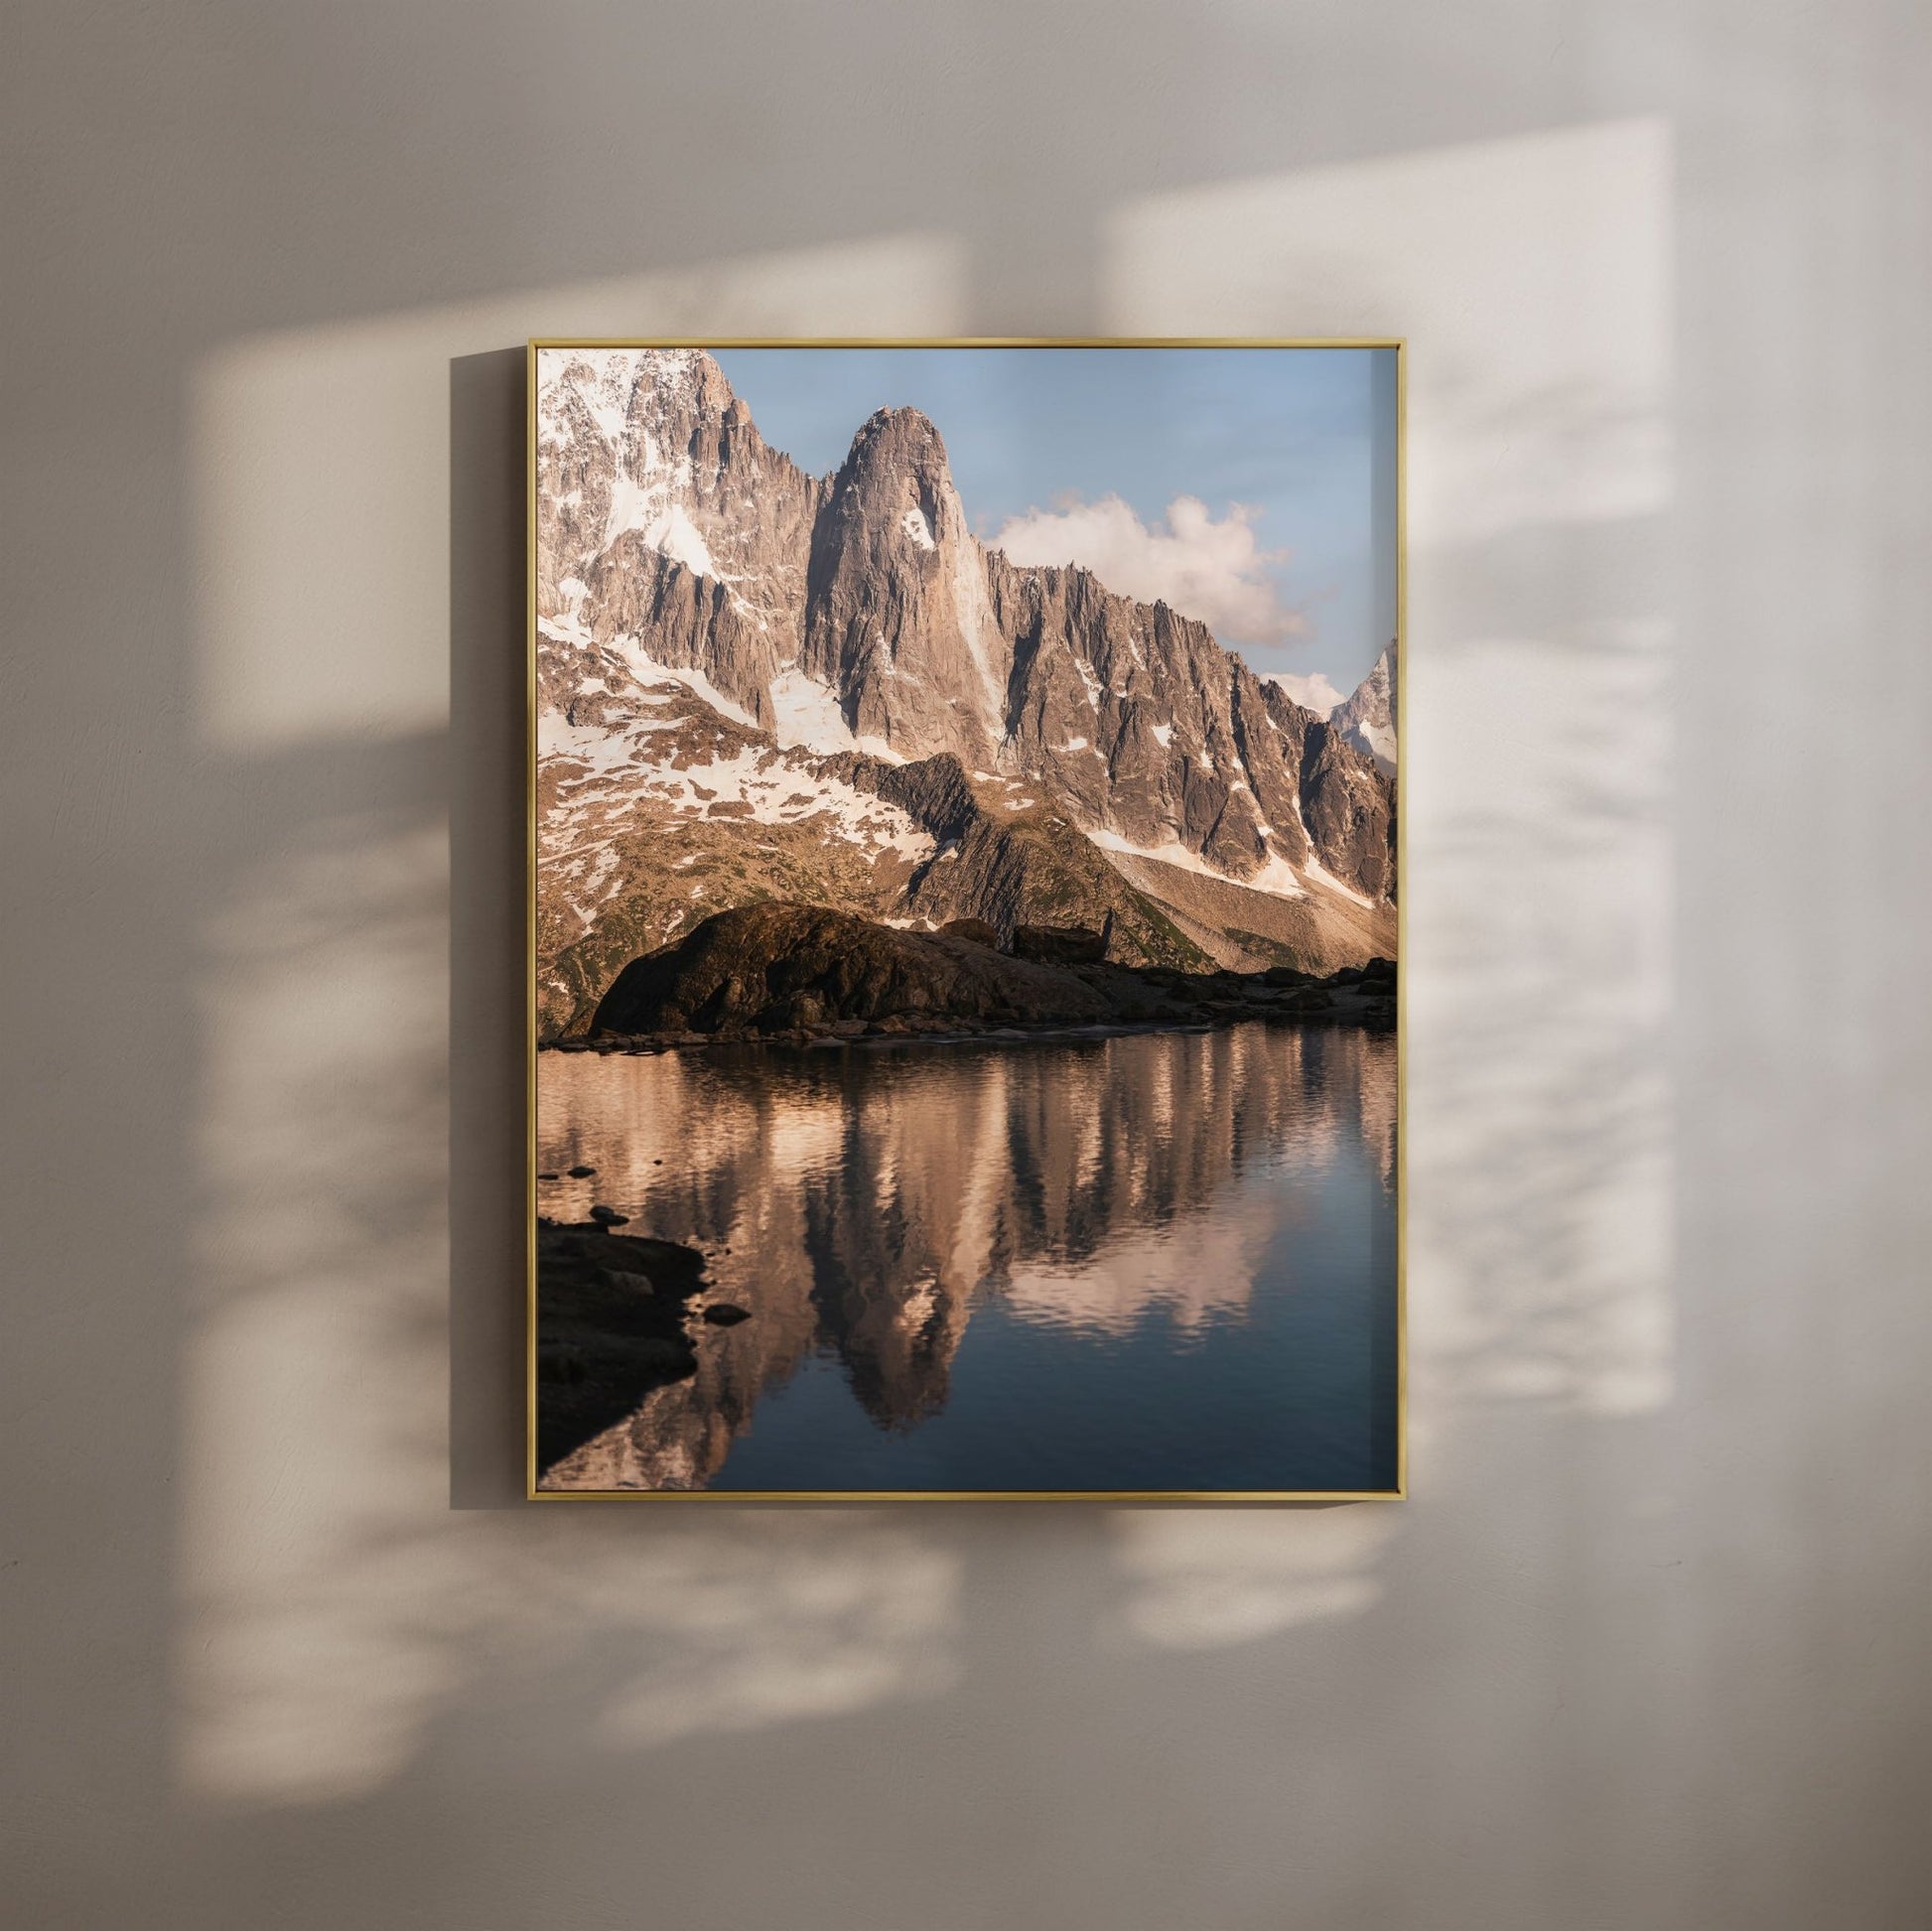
column 368, row 1607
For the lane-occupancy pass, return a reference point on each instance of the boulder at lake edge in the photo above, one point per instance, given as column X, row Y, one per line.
column 776, row 968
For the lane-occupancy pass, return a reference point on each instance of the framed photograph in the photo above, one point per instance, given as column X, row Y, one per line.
column 964, row 908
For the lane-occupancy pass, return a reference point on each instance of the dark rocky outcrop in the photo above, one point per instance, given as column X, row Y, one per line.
column 771, row 969
column 933, row 792
column 976, row 929
column 1058, row 944
column 810, row 974
column 610, row 1328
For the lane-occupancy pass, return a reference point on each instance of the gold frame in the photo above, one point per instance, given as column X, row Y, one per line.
column 1400, row 1492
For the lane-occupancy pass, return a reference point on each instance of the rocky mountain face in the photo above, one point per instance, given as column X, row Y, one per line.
column 758, row 683
column 1367, row 716
column 649, row 465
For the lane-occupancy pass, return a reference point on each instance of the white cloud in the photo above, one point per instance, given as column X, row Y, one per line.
column 1313, row 692
column 1212, row 571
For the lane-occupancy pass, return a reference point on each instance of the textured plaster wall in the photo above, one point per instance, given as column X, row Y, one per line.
column 1649, row 1647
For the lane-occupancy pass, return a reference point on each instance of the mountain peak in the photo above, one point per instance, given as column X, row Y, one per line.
column 1367, row 716
column 606, row 388
column 892, row 438
column 895, row 486
column 904, row 419
column 690, row 376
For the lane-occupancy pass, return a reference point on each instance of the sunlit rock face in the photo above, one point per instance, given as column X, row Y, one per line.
column 645, row 454
column 899, row 620
column 729, row 648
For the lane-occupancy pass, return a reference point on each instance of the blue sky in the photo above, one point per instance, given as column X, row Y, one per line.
column 1039, row 439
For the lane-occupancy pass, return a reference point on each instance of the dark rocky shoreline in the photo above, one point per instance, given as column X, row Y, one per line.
column 811, row 977
column 612, row 1314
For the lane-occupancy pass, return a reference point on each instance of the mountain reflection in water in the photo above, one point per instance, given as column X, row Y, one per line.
column 1161, row 1261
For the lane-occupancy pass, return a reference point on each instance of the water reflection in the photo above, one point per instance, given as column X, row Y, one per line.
column 1165, row 1260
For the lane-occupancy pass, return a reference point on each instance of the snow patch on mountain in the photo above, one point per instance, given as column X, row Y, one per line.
column 1378, row 740
column 1311, row 867
column 647, row 670
column 807, row 712
column 1276, row 877
column 597, row 750
column 667, row 528
column 777, row 791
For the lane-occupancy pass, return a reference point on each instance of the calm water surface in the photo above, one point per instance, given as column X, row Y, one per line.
column 1156, row 1262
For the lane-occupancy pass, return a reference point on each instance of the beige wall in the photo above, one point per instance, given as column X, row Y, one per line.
column 1646, row 1650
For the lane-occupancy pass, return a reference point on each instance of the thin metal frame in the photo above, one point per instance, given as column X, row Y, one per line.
column 1399, row 344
